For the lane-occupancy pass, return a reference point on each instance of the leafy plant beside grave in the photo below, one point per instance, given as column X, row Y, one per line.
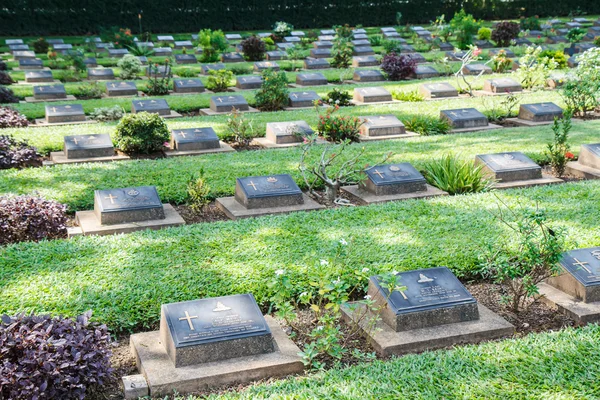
column 273, row 94
column 159, row 81
column 530, row 23
column 11, row 118
column 500, row 62
column 338, row 97
column 5, row 78
column 130, row 67
column 121, row 38
column 557, row 56
column 456, row 176
column 41, row 46
column 398, row 67
column 254, row 48
column 427, row 126
column 464, row 27
column 218, row 81
column 104, row 114
column 576, row 34
column 558, row 150
column 213, row 44
column 391, row 46
column 198, row 192
column 46, row 357
column 520, row 268
column 30, row 218
column 484, row 33
column 239, row 129
column 16, row 153
column 142, row 133
column 89, row 90
column 338, row 128
column 534, row 70
column 342, row 52
column 581, row 89
column 7, row 96
column 281, row 29
column 505, row 32
column 411, row 96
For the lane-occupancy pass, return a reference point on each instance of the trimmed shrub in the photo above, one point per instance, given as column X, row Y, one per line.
column 5, row 78
column 30, row 219
column 558, row 56
column 104, row 114
column 273, row 94
column 10, row 118
column 130, row 66
column 530, row 24
column 41, row 46
column 218, row 81
column 465, row 27
column 505, row 32
column 398, row 67
column 141, row 133
column 42, row 357
column 254, row 48
column 484, row 34
column 186, row 72
column 7, row 96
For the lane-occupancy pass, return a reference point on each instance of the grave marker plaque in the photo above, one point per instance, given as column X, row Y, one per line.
column 288, row 132
column 165, row 38
column 365, row 61
column 117, row 53
column 50, row 92
column 509, row 166
column 432, row 297
column 213, row 329
column 502, row 85
column 322, row 44
column 23, row 55
column 463, row 118
column 65, row 113
column 212, row 67
column 121, row 88
column 438, row 90
column 476, row 69
column 276, row 55
column 362, row 42
column 184, row 44
column 62, row 48
column 363, row 51
column 31, row 63
column 232, row 58
column 372, row 95
column 267, row 191
column 303, row 99
column 135, row 204
column 98, row 74
column 320, row 53
column 39, row 76
column 581, row 277
column 233, row 36
column 416, row 57
column 163, row 51
column 8, row 42
column 18, row 47
column 90, row 62
column 154, row 106
column 88, row 146
column 292, row 39
column 55, row 41
column 540, row 112
column 382, row 125
column 312, row 79
column 425, row 72
column 227, row 103
column 194, row 139
column 589, row 155
column 263, row 65
column 248, row 82
column 368, row 75
column 316, row 63
column 392, row 179
column 185, row 59
column 361, row 36
column 188, row 86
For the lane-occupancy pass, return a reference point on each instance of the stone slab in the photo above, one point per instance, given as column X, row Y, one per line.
column 583, row 313
column 90, row 225
column 221, row 104
column 502, row 85
column 134, row 387
column 223, row 148
column 545, row 180
column 589, row 155
column 381, row 125
column 365, row 198
column 372, row 95
column 476, row 129
column 42, row 122
column 524, row 122
column 163, row 378
column 34, row 100
column 406, row 135
column 234, row 210
column 208, row 111
column 438, row 90
column 268, row 144
column 60, row 157
column 509, row 166
column 579, row 170
column 388, row 342
column 287, row 132
column 580, row 276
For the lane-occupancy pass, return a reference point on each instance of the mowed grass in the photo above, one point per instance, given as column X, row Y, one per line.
column 555, row 365
column 74, row 185
column 125, row 278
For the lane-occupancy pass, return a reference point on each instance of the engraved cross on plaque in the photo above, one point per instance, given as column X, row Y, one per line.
column 75, row 140
column 141, row 104
column 378, row 173
column 189, row 318
column 253, row 185
column 182, row 133
column 582, row 265
column 53, row 109
column 220, row 100
column 112, row 198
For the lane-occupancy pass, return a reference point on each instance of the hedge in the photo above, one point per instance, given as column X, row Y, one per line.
column 125, row 278
column 551, row 365
column 75, row 184
column 27, row 17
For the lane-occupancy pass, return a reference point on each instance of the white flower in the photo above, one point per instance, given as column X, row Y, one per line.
column 324, row 262
column 394, row 272
column 319, row 328
column 337, row 281
column 337, row 102
column 303, row 294
column 365, row 270
column 343, row 242
column 368, row 297
column 279, row 272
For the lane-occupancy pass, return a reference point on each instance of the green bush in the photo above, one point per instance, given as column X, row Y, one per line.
column 273, row 93
column 213, row 44
column 89, row 90
column 391, row 46
column 412, row 95
column 376, row 40
column 104, row 114
column 558, row 56
column 338, row 97
column 426, row 125
column 576, row 34
column 186, row 72
column 198, row 191
column 342, row 53
column 465, row 27
column 456, row 176
column 130, row 66
column 337, row 128
column 41, row 46
column 218, row 81
column 254, row 48
column 484, row 33
column 530, row 24
column 141, row 133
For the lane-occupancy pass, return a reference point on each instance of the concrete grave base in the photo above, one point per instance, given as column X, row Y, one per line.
column 30, row 69
column 173, row 114
column 387, row 341
column 33, row 100
column 545, row 180
column 364, row 197
column 225, row 148
column 208, row 111
column 296, row 86
column 59, row 157
column 42, row 122
column 90, row 225
column 56, row 81
column 460, row 96
column 476, row 129
column 583, row 313
column 302, row 108
column 267, row 144
column 361, row 103
column 408, row 134
column 163, row 378
column 128, row 96
column 234, row 210
column 482, row 93
column 579, row 170
column 524, row 122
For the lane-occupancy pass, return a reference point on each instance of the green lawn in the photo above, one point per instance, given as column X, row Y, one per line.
column 125, row 278
column 74, row 185
column 555, row 365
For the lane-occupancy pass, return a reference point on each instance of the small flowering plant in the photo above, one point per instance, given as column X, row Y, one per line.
column 470, row 56
column 313, row 311
column 337, row 128
column 282, row 29
column 338, row 97
column 558, row 150
column 120, row 37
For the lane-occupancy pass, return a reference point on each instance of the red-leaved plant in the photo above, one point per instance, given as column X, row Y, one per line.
column 398, row 67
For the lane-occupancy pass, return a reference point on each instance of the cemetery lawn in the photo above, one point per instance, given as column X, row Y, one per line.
column 125, row 278
column 552, row 365
column 74, row 185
